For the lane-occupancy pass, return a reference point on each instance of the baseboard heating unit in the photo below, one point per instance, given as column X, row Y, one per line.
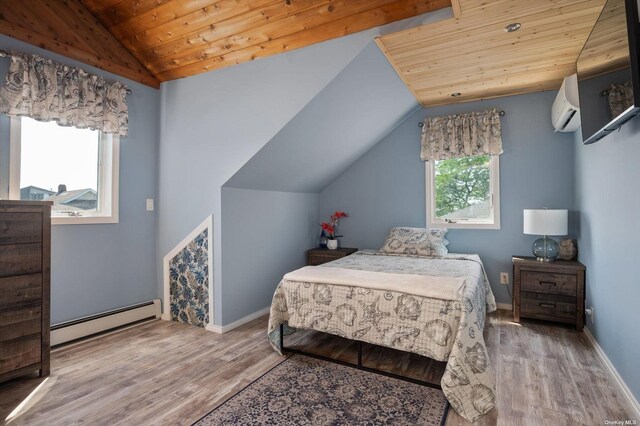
column 82, row 327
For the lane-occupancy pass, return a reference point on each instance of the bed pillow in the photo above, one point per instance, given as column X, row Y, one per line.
column 416, row 241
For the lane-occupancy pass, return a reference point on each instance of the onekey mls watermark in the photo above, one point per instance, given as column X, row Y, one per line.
column 621, row 422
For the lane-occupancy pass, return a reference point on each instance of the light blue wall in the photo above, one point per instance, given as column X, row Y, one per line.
column 213, row 123
column 265, row 234
column 100, row 267
column 363, row 103
column 608, row 201
column 386, row 187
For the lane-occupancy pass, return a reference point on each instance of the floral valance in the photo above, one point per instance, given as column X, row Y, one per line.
column 462, row 135
column 49, row 91
column 620, row 98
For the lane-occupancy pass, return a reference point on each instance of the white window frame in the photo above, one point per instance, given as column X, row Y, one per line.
column 108, row 178
column 494, row 188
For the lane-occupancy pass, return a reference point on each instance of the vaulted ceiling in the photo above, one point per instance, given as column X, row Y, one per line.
column 472, row 56
column 152, row 41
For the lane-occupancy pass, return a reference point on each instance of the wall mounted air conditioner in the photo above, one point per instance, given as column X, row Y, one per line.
column 565, row 112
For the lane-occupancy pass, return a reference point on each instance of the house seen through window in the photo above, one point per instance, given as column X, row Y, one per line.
column 73, row 168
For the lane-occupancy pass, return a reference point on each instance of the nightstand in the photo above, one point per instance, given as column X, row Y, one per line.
column 318, row 256
column 551, row 291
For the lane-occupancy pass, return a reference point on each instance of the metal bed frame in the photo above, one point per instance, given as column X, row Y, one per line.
column 359, row 365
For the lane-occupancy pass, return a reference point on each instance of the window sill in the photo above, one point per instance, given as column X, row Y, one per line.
column 459, row 225
column 83, row 220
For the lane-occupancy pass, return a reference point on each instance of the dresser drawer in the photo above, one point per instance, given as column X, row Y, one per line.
column 548, row 282
column 19, row 353
column 19, row 259
column 544, row 306
column 20, row 228
column 15, row 323
column 20, row 290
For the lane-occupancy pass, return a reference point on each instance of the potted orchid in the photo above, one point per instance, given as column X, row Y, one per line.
column 330, row 229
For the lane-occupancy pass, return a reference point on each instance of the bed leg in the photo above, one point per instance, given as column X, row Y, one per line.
column 281, row 337
column 359, row 353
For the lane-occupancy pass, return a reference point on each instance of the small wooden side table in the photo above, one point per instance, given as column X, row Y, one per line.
column 318, row 256
column 551, row 291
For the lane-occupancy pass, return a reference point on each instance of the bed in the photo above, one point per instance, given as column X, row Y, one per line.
column 433, row 306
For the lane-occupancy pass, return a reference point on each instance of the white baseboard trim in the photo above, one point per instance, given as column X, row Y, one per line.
column 226, row 328
column 87, row 326
column 633, row 402
column 505, row 306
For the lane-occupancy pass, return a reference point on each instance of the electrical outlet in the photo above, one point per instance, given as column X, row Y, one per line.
column 590, row 312
column 150, row 204
column 504, row 278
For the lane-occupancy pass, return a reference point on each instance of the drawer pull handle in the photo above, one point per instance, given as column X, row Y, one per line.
column 547, row 305
column 549, row 283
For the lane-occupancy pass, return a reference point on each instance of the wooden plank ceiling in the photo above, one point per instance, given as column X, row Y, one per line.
column 152, row 41
column 68, row 28
column 178, row 38
column 472, row 55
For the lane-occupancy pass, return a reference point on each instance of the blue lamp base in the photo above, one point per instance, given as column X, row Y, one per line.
column 545, row 249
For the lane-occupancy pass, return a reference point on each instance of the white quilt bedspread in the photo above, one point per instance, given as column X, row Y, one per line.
column 444, row 320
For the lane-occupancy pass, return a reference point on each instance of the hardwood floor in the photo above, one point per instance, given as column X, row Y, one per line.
column 165, row 373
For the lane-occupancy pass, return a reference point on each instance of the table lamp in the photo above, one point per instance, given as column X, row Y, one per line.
column 545, row 222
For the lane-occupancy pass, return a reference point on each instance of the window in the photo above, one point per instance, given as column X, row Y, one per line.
column 464, row 192
column 76, row 169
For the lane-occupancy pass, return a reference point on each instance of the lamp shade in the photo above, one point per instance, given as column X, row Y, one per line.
column 545, row 222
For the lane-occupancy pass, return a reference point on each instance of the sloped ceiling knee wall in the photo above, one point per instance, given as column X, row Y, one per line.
column 360, row 106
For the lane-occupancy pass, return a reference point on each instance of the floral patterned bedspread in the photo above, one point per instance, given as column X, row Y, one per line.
column 444, row 330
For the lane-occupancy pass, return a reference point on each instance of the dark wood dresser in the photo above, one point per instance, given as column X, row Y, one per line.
column 25, row 251
column 318, row 256
column 552, row 291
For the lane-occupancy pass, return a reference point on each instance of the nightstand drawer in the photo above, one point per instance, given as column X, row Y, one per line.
column 315, row 259
column 548, row 282
column 319, row 256
column 546, row 307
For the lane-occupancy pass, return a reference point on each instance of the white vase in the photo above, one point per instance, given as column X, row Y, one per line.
column 332, row 244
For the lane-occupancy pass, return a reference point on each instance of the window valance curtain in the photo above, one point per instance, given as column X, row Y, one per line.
column 620, row 98
column 49, row 91
column 462, row 135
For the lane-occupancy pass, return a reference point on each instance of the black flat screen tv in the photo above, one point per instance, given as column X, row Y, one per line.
column 609, row 71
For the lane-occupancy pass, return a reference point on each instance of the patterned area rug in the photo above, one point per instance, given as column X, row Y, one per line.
column 309, row 391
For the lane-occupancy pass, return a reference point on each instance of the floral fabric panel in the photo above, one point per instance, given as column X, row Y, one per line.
column 189, row 282
column 420, row 241
column 444, row 330
column 50, row 91
column 462, row 135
